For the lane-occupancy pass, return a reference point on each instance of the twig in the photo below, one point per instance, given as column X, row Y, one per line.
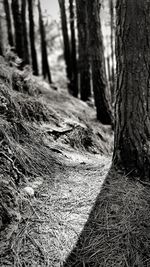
column 38, row 246
column 13, row 166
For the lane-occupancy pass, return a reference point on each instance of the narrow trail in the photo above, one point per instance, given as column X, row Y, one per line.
column 61, row 207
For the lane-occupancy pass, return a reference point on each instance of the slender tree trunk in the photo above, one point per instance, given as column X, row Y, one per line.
column 98, row 64
column 25, row 38
column 67, row 52
column 19, row 44
column 1, row 38
column 74, row 79
column 45, row 64
column 83, row 47
column 108, row 68
column 32, row 38
column 111, row 7
column 8, row 21
column 132, row 129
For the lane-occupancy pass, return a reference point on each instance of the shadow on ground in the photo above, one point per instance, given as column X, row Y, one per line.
column 117, row 232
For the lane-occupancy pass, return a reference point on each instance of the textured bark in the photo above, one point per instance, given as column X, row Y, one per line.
column 74, row 79
column 83, row 47
column 45, row 64
column 19, row 45
column 32, row 38
column 132, row 129
column 97, row 61
column 25, row 38
column 9, row 23
column 111, row 7
column 67, row 52
column 1, row 39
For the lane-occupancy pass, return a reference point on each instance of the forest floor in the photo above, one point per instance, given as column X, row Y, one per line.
column 58, row 149
column 61, row 203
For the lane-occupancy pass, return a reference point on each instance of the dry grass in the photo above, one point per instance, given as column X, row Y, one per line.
column 117, row 232
column 54, row 219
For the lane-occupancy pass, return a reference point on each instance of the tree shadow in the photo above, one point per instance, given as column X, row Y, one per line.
column 117, row 232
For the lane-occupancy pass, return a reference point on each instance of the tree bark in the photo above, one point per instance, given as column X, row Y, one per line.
column 111, row 7
column 32, row 38
column 98, row 64
column 67, row 52
column 132, row 129
column 1, row 38
column 45, row 65
column 74, row 79
column 8, row 21
column 83, row 48
column 25, row 38
column 18, row 28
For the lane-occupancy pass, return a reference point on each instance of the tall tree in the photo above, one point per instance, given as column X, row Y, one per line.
column 8, row 21
column 25, row 35
column 45, row 65
column 74, row 79
column 83, row 48
column 32, row 38
column 132, row 129
column 18, row 28
column 111, row 8
column 1, row 38
column 97, row 62
column 67, row 52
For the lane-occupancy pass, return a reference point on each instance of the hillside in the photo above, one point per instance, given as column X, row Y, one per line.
column 54, row 157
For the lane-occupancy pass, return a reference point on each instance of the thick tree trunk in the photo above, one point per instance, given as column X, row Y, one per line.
column 132, row 130
column 25, row 38
column 74, row 79
column 67, row 52
column 32, row 38
column 98, row 64
column 18, row 28
column 83, row 47
column 45, row 64
column 9, row 23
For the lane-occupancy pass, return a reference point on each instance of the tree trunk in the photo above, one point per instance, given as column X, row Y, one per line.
column 32, row 38
column 45, row 65
column 67, row 53
column 111, row 7
column 132, row 129
column 98, row 64
column 74, row 79
column 25, row 38
column 1, row 38
column 84, row 58
column 18, row 28
column 8, row 21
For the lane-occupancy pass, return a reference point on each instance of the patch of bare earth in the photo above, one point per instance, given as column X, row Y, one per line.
column 61, row 209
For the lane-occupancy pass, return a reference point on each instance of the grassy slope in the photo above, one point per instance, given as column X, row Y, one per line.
column 52, row 143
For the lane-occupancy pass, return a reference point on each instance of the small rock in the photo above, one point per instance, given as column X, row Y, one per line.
column 29, row 191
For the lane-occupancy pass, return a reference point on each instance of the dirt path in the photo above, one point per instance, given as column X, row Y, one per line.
column 61, row 208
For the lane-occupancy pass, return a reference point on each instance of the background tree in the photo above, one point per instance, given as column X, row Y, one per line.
column 19, row 44
column 9, row 22
column 112, row 41
column 67, row 52
column 1, row 38
column 45, row 64
column 84, row 59
column 32, row 38
column 97, row 62
column 24, row 33
column 132, row 129
column 74, row 78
